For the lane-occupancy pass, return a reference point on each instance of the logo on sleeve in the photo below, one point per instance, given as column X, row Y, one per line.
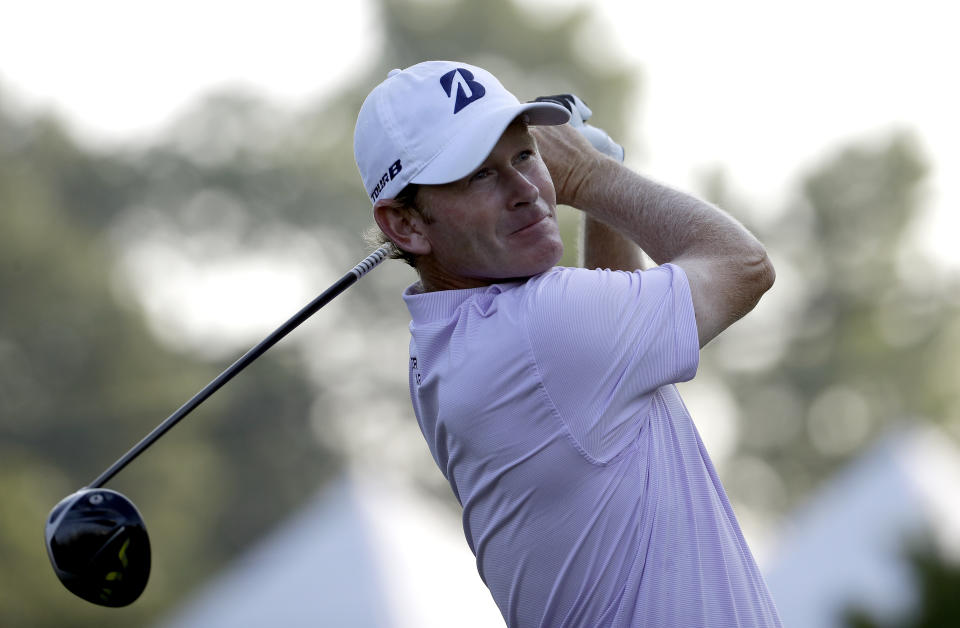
column 459, row 84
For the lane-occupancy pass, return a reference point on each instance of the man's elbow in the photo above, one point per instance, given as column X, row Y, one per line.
column 724, row 291
column 757, row 273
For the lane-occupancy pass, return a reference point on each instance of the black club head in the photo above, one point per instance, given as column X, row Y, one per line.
column 98, row 546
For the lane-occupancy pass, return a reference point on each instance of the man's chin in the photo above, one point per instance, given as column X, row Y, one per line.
column 549, row 258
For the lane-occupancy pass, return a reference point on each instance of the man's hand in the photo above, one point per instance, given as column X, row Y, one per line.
column 601, row 246
column 579, row 114
column 568, row 156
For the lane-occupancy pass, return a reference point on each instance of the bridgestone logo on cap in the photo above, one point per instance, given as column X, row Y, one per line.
column 468, row 90
column 387, row 177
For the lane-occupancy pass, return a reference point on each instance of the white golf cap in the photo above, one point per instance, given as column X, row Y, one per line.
column 434, row 123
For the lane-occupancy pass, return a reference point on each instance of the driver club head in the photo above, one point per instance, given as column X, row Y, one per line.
column 98, row 546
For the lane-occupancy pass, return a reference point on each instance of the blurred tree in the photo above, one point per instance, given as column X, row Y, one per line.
column 81, row 381
column 858, row 333
column 937, row 581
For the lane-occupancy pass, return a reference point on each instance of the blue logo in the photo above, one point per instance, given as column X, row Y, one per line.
column 467, row 90
column 387, row 177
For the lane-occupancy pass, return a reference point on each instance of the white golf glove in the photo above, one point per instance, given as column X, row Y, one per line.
column 579, row 114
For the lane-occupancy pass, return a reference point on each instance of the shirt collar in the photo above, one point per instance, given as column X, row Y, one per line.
column 442, row 304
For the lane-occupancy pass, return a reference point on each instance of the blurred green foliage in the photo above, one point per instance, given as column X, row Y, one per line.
column 936, row 605
column 858, row 334
column 81, row 381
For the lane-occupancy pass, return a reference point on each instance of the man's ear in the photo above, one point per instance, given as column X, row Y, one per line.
column 402, row 225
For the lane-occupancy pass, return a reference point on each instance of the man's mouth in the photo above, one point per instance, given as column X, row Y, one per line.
column 530, row 225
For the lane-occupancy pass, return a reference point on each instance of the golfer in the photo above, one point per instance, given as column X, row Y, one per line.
column 546, row 394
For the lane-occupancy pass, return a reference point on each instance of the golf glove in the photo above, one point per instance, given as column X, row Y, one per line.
column 579, row 114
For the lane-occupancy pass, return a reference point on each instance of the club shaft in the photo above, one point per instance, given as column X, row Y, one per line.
column 370, row 262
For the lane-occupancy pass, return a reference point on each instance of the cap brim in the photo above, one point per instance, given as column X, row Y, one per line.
column 473, row 144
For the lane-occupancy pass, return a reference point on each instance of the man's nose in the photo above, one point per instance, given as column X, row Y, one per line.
column 523, row 191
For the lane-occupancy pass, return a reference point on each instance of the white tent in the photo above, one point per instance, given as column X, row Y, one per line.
column 363, row 554
column 846, row 545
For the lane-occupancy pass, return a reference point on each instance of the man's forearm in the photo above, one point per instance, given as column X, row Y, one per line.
column 727, row 269
column 602, row 246
column 666, row 223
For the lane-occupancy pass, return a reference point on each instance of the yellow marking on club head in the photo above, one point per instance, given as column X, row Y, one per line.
column 123, row 553
column 113, row 575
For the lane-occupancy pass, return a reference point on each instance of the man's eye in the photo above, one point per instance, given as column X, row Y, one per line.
column 525, row 155
column 480, row 174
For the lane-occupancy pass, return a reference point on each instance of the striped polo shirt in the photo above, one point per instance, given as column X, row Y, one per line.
column 588, row 497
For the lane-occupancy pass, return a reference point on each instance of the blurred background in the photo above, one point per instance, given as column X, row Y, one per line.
column 177, row 179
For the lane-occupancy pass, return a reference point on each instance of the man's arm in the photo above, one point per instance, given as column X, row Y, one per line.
column 602, row 246
column 728, row 269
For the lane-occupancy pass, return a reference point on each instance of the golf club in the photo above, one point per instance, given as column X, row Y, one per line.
column 96, row 539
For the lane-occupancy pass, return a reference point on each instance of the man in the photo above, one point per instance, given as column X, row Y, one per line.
column 546, row 394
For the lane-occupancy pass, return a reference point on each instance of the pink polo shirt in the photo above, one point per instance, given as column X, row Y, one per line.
column 588, row 498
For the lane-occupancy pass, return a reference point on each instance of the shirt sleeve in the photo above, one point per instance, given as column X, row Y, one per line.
column 604, row 341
